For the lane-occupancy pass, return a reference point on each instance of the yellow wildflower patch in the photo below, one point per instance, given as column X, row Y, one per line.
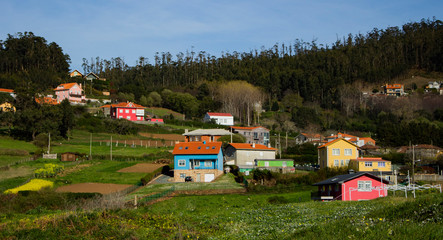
column 33, row 185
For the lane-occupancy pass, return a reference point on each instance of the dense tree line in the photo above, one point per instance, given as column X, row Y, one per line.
column 29, row 60
column 315, row 72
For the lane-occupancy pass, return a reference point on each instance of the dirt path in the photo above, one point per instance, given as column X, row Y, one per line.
column 142, row 168
column 103, row 188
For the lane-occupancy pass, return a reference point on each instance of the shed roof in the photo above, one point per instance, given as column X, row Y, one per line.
column 5, row 90
column 248, row 128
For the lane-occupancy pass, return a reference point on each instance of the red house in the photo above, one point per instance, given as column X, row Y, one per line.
column 127, row 110
column 351, row 187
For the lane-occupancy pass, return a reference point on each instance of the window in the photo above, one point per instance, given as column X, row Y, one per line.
column 368, row 164
column 347, row 162
column 180, row 148
column 335, row 151
column 126, row 111
column 335, row 163
column 255, row 135
column 121, row 110
column 207, row 147
column 381, row 164
column 208, row 163
column 341, row 163
column 128, row 117
column 182, row 175
column 364, row 186
column 348, row 152
column 182, row 163
column 133, row 111
column 199, row 147
column 197, row 163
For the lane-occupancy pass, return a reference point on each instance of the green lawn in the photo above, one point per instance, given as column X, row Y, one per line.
column 103, row 172
column 224, row 182
column 161, row 112
column 6, row 159
column 10, row 143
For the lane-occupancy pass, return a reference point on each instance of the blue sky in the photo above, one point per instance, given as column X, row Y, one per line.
column 133, row 28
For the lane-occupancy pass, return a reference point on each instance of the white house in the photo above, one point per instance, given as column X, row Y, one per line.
column 220, row 118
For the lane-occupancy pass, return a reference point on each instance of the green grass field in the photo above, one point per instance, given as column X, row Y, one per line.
column 9, row 143
column 103, row 172
column 161, row 112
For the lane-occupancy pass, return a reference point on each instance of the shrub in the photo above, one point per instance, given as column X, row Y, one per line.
column 49, row 170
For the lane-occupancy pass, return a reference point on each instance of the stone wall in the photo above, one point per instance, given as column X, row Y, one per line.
column 193, row 174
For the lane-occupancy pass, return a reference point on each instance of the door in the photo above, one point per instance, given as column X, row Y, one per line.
column 198, row 178
column 209, row 177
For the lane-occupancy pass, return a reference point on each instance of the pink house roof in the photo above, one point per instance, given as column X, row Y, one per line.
column 250, row 146
column 156, row 120
column 125, row 105
column 64, row 86
column 213, row 114
column 197, row 148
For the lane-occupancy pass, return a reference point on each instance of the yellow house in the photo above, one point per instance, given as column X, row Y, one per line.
column 7, row 107
column 370, row 165
column 337, row 153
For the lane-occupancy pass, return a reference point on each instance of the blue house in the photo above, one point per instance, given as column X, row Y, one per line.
column 202, row 161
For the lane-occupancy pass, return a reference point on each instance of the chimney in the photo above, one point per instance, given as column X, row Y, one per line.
column 253, row 145
column 186, row 130
column 351, row 171
column 269, row 145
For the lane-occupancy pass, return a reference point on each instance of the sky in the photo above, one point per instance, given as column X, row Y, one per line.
column 130, row 29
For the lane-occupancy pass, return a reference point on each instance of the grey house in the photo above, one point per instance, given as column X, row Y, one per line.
column 259, row 135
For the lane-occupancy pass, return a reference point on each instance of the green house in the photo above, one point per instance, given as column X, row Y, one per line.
column 274, row 163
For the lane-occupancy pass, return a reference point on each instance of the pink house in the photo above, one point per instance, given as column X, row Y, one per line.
column 351, row 187
column 127, row 110
column 72, row 91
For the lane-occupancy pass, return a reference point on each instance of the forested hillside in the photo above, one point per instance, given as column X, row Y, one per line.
column 313, row 71
column 303, row 86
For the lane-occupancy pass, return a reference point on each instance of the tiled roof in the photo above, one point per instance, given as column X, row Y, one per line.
column 311, row 135
column 6, row 90
column 343, row 135
column 394, row 86
column 126, row 105
column 370, row 160
column 194, row 148
column 213, row 114
column 249, row 146
column 368, row 146
column 248, row 128
column 347, row 177
column 64, row 86
column 367, row 139
column 207, row 132
column 334, row 141
column 46, row 100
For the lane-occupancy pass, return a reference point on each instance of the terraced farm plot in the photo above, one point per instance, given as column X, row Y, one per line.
column 103, row 188
column 142, row 168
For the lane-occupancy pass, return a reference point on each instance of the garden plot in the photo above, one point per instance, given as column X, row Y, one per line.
column 103, row 188
column 142, row 168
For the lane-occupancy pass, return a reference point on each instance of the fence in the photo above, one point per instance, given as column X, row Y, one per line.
column 428, row 177
column 156, row 196
column 121, row 193
column 7, row 166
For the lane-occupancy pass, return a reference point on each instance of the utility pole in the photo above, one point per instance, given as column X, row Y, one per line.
column 413, row 163
column 49, row 142
column 231, row 134
column 286, row 139
column 90, row 147
column 111, row 147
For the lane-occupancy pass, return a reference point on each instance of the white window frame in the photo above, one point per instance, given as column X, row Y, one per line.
column 133, row 110
column 342, row 163
column 121, row 110
column 348, row 152
column 336, row 151
column 368, row 164
column 128, row 117
column 336, row 162
column 208, row 163
column 381, row 164
column 196, row 163
column 181, row 163
column 364, row 186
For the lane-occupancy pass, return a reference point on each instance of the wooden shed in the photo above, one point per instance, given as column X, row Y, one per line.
column 69, row 157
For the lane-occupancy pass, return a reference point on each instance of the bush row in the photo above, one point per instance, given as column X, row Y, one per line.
column 48, row 171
